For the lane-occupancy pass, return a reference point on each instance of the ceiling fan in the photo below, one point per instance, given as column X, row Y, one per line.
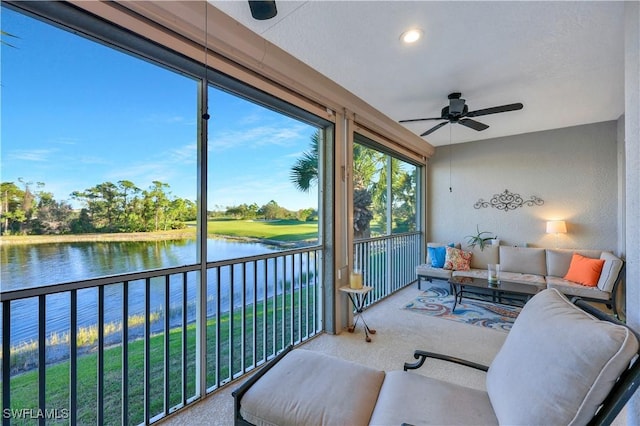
column 458, row 112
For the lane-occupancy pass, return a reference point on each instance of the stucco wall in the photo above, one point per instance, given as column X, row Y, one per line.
column 632, row 174
column 574, row 170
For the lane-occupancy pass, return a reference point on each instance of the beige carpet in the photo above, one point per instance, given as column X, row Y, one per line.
column 399, row 333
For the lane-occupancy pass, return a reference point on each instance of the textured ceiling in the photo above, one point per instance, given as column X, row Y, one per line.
column 563, row 60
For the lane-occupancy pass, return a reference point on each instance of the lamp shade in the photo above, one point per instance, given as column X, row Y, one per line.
column 556, row 227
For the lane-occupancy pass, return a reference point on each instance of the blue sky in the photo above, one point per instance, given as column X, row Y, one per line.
column 76, row 113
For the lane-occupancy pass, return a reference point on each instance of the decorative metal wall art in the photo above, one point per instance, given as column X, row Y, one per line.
column 508, row 201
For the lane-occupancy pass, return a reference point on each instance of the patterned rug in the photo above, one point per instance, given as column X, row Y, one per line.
column 437, row 302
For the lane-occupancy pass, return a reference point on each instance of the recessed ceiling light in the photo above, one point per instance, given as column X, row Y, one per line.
column 411, row 36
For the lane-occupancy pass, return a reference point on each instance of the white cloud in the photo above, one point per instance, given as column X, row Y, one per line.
column 186, row 154
column 31, row 154
column 258, row 137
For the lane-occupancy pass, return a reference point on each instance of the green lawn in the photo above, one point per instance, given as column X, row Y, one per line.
column 278, row 230
column 286, row 315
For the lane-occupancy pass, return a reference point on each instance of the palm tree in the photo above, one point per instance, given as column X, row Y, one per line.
column 304, row 175
column 3, row 36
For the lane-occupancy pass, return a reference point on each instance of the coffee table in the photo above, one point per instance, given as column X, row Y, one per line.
column 505, row 292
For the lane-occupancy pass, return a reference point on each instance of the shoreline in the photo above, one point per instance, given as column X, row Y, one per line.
column 178, row 234
column 174, row 234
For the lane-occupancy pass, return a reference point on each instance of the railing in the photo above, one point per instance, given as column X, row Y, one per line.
column 127, row 349
column 388, row 263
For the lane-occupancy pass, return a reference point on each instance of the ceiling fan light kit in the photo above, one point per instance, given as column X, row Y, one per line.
column 457, row 112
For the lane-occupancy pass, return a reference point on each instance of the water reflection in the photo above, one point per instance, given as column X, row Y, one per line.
column 27, row 266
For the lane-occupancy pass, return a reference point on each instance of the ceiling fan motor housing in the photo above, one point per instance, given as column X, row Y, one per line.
column 457, row 107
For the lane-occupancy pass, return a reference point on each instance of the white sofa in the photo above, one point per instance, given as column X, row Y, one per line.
column 538, row 266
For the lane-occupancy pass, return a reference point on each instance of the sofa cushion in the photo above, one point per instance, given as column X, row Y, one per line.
column 472, row 273
column 481, row 258
column 610, row 270
column 572, row 289
column 525, row 260
column 517, row 277
column 560, row 384
column 418, row 400
column 426, row 270
column 272, row 401
column 558, row 260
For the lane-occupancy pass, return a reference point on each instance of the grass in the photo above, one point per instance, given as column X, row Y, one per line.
column 287, row 322
column 173, row 234
column 277, row 230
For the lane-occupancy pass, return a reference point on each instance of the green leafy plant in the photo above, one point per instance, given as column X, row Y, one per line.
column 479, row 239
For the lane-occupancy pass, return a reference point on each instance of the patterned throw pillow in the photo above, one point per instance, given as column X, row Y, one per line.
column 457, row 260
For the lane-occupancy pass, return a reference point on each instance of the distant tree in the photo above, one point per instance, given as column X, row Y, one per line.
column 82, row 224
column 243, row 211
column 271, row 211
column 159, row 202
column 11, row 207
column 106, row 207
column 128, row 196
column 53, row 217
column 101, row 202
column 306, row 214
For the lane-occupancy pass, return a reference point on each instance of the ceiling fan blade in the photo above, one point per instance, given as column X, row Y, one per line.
column 472, row 124
column 421, row 119
column 494, row 110
column 434, row 128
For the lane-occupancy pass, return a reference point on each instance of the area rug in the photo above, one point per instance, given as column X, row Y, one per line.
column 438, row 302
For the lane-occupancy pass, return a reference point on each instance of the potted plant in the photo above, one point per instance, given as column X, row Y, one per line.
column 480, row 239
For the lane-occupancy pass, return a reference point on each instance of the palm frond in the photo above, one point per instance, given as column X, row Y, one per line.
column 3, row 35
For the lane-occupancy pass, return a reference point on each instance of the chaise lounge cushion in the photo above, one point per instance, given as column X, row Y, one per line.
column 561, row 383
column 418, row 400
column 284, row 396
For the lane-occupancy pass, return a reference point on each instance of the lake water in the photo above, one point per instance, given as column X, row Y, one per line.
column 25, row 266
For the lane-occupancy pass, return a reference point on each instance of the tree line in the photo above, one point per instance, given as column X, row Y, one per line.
column 124, row 207
column 268, row 211
column 27, row 208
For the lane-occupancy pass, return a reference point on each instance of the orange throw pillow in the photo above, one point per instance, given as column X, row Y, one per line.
column 584, row 270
